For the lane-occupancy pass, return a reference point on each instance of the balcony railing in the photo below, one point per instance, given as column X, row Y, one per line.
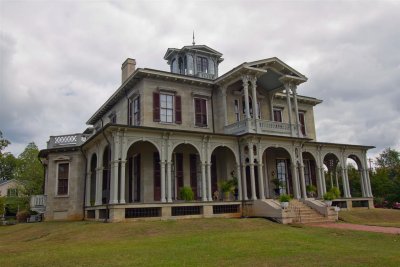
column 67, row 140
column 38, row 203
column 261, row 127
column 205, row 75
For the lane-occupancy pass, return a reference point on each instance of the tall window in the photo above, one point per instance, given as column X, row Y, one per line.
column 202, row 64
column 62, row 178
column 281, row 172
column 302, row 123
column 166, row 107
column 12, row 192
column 200, row 111
column 307, row 172
column 134, row 111
column 278, row 114
column 236, row 109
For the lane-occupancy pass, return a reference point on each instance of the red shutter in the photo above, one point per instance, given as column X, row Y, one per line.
column 178, row 109
column 156, row 106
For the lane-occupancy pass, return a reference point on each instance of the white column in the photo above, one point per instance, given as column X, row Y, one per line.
column 319, row 182
column 323, row 180
column 224, row 107
column 266, row 179
column 245, row 80
column 203, row 182
column 295, row 181
column 244, row 181
column 99, row 186
column 296, row 109
column 254, row 98
column 162, row 163
column 287, row 88
column 367, row 180
column 209, row 193
column 169, row 191
column 260, row 174
column 114, row 183
column 362, row 181
column 303, row 182
column 88, row 196
column 122, row 183
column 239, row 181
column 252, row 174
column 345, row 183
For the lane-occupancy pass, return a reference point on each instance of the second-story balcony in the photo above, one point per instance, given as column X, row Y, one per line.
column 67, row 140
column 262, row 127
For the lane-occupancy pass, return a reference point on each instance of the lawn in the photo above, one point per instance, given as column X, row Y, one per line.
column 379, row 217
column 197, row 242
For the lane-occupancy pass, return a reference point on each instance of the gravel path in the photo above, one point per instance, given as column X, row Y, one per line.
column 359, row 227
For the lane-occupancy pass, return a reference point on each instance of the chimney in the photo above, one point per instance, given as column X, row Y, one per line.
column 128, row 67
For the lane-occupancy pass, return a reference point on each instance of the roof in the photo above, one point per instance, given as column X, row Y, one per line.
column 199, row 48
column 3, row 182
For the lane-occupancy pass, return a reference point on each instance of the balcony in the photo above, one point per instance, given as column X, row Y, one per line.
column 67, row 140
column 261, row 127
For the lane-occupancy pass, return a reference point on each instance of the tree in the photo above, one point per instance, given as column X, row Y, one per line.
column 30, row 171
column 3, row 143
column 8, row 162
column 354, row 181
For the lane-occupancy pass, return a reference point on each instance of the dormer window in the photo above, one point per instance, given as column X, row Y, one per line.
column 202, row 64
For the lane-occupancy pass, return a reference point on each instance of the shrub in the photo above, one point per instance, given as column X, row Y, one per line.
column 311, row 189
column 2, row 205
column 186, row 193
column 329, row 196
column 23, row 215
column 335, row 191
column 284, row 198
column 227, row 186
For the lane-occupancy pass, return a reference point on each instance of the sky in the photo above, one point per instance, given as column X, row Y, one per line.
column 61, row 60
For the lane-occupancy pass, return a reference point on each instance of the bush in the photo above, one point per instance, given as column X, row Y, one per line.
column 2, row 205
column 329, row 196
column 284, row 198
column 335, row 191
column 227, row 186
column 23, row 215
column 186, row 193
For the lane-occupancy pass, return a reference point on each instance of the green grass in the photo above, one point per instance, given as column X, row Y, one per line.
column 379, row 217
column 197, row 242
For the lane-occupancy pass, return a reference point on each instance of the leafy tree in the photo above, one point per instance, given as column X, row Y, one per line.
column 8, row 162
column 3, row 143
column 354, row 181
column 30, row 171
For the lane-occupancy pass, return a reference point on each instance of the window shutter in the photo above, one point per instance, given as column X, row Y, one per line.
column 129, row 112
column 178, row 109
column 156, row 106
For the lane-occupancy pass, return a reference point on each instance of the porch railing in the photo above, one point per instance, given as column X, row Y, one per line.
column 38, row 203
column 261, row 126
column 67, row 140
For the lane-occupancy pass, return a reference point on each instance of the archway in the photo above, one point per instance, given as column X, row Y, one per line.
column 142, row 173
column 186, row 170
column 105, row 195
column 310, row 175
column 277, row 162
column 354, row 169
column 223, row 167
column 93, row 166
column 333, row 173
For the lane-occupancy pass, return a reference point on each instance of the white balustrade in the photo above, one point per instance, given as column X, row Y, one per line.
column 67, row 140
column 264, row 126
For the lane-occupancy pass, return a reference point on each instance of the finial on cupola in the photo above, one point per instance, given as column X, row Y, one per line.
column 193, row 43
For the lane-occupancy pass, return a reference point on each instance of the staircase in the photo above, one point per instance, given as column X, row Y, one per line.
column 304, row 214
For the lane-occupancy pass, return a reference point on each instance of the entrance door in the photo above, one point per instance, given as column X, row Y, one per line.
column 157, row 176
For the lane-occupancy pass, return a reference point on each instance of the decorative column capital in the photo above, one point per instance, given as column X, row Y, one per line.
column 253, row 80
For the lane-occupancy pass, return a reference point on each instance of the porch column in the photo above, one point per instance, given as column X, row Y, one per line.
column 239, row 181
column 99, row 186
column 209, row 193
column 122, row 183
column 362, row 181
column 345, row 183
column 287, row 88
column 224, row 107
column 252, row 174
column 169, row 191
column 323, row 180
column 114, row 183
column 260, row 175
column 203, row 182
column 368, row 183
column 245, row 80
column 266, row 179
column 296, row 109
column 319, row 182
column 303, row 182
column 295, row 180
column 162, row 163
column 87, row 193
column 253, row 81
column 244, row 181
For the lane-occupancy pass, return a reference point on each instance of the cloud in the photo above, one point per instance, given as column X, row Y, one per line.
column 61, row 60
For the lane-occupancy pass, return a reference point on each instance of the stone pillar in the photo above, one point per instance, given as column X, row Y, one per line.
column 122, row 183
column 296, row 109
column 87, row 193
column 209, row 193
column 319, row 182
column 303, row 182
column 287, row 88
column 245, row 80
column 266, row 179
column 323, row 180
column 99, row 186
column 368, row 183
column 162, row 165
column 295, row 181
column 239, row 181
column 169, row 188
column 244, row 181
column 260, row 174
column 345, row 183
column 252, row 174
column 224, row 107
column 114, row 183
column 203, row 182
column 255, row 102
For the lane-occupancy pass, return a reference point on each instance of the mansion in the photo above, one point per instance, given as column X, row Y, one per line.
column 192, row 128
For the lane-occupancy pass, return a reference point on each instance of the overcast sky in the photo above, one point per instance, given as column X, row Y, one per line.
column 60, row 60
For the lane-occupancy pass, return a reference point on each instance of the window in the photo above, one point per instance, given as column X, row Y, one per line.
column 164, row 107
column 12, row 192
column 236, row 109
column 302, row 123
column 134, row 111
column 278, row 114
column 202, row 64
column 113, row 117
column 62, row 179
column 281, row 171
column 307, row 172
column 200, row 111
